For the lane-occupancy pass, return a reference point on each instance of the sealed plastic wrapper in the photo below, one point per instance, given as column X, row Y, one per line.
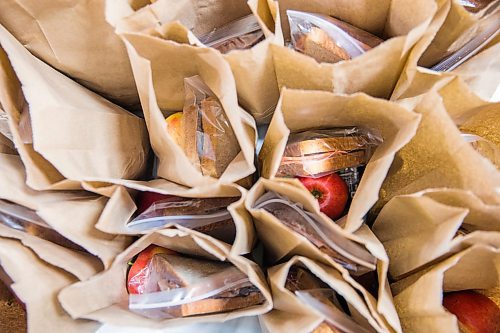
column 181, row 286
column 209, row 216
column 327, row 39
column 326, row 236
column 24, row 219
column 203, row 130
column 175, row 279
column 240, row 34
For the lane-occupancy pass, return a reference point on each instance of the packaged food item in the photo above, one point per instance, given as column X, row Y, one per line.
column 209, row 215
column 471, row 41
column 177, row 285
column 26, row 220
column 203, row 130
column 325, row 236
column 316, row 294
column 327, row 39
column 329, row 163
column 240, row 34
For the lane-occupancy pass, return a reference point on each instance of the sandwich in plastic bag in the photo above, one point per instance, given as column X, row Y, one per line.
column 241, row 34
column 203, row 130
column 206, row 215
column 327, row 39
column 176, row 285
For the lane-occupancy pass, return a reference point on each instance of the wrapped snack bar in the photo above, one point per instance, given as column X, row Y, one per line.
column 175, row 279
column 311, row 297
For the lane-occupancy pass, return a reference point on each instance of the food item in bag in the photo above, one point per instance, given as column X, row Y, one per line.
column 209, row 215
column 240, row 34
column 26, row 220
column 12, row 310
column 313, row 155
column 180, row 286
column 318, row 295
column 327, row 39
column 475, row 312
column 208, row 139
column 325, row 236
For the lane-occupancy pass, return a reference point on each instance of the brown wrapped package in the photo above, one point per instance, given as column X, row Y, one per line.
column 99, row 298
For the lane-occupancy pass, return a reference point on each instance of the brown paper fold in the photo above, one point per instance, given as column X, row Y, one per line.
column 37, row 284
column 438, row 156
column 75, row 133
column 71, row 214
column 74, row 38
column 291, row 243
column 418, row 298
column 253, row 69
column 290, row 314
column 160, row 67
column 121, row 207
column 104, row 298
column 420, row 228
column 375, row 72
column 304, row 110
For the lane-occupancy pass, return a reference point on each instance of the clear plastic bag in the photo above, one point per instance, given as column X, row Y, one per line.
column 325, row 302
column 327, row 39
column 26, row 220
column 326, row 237
column 209, row 140
column 240, row 34
column 485, row 147
column 179, row 286
column 209, row 216
column 472, row 41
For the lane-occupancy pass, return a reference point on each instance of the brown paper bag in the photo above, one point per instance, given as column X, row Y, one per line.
column 438, row 156
column 253, row 69
column 37, row 284
column 64, row 132
column 375, row 72
column 160, row 67
column 74, row 38
column 104, row 297
column 291, row 243
column 291, row 314
column 420, row 228
column 53, row 207
column 418, row 298
column 303, row 110
column 121, row 207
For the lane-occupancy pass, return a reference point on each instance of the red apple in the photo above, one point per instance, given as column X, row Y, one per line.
column 146, row 199
column 139, row 272
column 475, row 312
column 331, row 191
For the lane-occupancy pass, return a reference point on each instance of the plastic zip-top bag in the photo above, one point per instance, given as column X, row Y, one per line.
column 327, row 39
column 180, row 286
column 209, row 216
column 203, row 130
column 326, row 237
column 26, row 220
column 240, row 34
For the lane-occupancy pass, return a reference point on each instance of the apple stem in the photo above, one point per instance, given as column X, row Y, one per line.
column 316, row 193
